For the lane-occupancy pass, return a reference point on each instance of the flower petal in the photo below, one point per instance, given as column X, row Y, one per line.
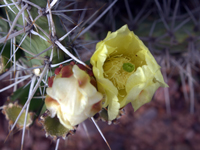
column 52, row 105
column 85, row 87
column 65, row 91
column 72, row 97
column 64, row 120
column 145, row 96
column 113, row 108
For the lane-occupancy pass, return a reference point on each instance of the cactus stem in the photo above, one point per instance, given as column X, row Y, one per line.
column 100, row 132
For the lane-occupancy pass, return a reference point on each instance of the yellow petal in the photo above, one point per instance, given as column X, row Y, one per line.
column 121, row 39
column 159, row 78
column 110, row 90
column 141, row 87
column 85, row 87
column 65, row 91
column 141, row 75
column 145, row 96
column 113, row 108
column 64, row 120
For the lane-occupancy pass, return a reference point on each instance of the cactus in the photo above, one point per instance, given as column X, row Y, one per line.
column 38, row 36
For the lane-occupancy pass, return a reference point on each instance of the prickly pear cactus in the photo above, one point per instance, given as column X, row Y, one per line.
column 41, row 43
column 36, row 37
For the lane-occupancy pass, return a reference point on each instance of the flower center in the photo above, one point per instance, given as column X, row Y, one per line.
column 118, row 69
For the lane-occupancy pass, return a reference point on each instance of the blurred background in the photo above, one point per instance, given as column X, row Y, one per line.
column 171, row 121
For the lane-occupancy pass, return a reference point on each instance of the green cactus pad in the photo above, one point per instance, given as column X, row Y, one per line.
column 54, row 128
column 11, row 111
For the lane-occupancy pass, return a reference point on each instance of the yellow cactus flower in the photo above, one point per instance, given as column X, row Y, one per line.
column 125, row 70
column 72, row 96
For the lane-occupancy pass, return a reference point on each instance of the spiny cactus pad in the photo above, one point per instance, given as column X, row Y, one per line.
column 54, row 128
column 11, row 111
